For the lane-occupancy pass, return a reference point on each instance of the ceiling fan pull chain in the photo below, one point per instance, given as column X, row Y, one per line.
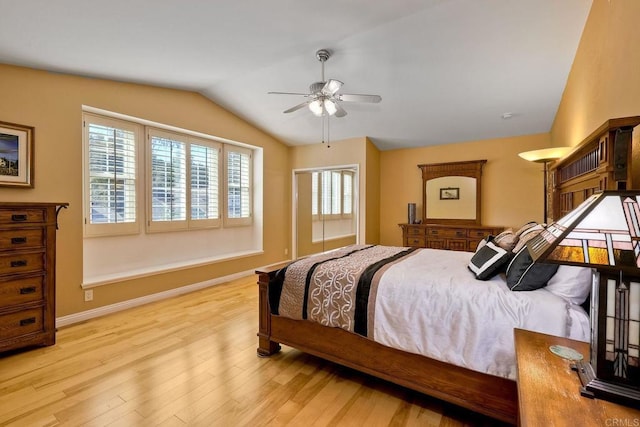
column 328, row 132
column 322, row 128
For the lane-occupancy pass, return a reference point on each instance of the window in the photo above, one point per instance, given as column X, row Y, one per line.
column 238, row 185
column 177, row 202
column 332, row 194
column 164, row 192
column 205, row 194
column 347, row 193
column 181, row 179
column 111, row 184
column 168, row 180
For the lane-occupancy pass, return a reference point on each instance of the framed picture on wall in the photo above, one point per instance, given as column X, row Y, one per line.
column 16, row 155
column 450, row 193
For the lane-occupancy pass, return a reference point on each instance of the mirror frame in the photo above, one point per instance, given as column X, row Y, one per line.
column 470, row 168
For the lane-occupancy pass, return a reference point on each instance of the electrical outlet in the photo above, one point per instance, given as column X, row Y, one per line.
column 286, row 251
column 88, row 295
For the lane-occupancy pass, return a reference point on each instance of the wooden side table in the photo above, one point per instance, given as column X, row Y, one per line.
column 549, row 391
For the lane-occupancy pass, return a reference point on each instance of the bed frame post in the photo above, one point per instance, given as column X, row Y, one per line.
column 266, row 347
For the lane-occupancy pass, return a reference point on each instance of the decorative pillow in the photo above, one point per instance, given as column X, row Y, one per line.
column 571, row 283
column 527, row 235
column 506, row 240
column 483, row 242
column 525, row 227
column 525, row 275
column 488, row 260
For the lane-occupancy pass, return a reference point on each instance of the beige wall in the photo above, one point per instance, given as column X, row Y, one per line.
column 604, row 82
column 52, row 103
column 512, row 188
column 372, row 189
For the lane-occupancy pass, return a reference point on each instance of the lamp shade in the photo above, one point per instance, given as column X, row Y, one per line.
column 316, row 107
column 330, row 107
column 545, row 154
column 602, row 232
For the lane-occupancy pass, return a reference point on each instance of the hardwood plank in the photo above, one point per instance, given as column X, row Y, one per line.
column 192, row 359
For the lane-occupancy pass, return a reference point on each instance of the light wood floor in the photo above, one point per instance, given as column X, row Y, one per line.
column 191, row 360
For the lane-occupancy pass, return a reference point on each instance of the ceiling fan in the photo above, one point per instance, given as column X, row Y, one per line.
column 323, row 95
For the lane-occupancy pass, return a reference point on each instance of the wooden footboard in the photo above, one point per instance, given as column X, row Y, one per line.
column 485, row 394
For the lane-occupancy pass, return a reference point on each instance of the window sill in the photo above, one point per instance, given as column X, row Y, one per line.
column 93, row 282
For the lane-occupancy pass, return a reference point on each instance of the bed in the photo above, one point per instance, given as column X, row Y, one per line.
column 380, row 309
column 481, row 377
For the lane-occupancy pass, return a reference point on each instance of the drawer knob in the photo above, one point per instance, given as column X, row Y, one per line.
column 19, row 263
column 29, row 290
column 28, row 321
column 18, row 240
column 18, row 217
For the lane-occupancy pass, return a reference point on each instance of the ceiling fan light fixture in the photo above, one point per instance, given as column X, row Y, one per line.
column 332, row 86
column 330, row 107
column 323, row 95
column 316, row 107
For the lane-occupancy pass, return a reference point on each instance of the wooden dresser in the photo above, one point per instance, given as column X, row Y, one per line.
column 453, row 237
column 27, row 274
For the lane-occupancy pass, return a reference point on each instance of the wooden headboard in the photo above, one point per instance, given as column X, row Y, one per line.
column 602, row 161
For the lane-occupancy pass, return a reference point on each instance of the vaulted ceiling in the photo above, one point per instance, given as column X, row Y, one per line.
column 447, row 70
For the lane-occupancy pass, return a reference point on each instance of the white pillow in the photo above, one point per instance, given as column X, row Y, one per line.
column 571, row 283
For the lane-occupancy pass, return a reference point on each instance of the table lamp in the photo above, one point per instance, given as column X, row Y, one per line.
column 603, row 233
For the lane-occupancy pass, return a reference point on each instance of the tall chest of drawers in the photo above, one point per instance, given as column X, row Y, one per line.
column 27, row 274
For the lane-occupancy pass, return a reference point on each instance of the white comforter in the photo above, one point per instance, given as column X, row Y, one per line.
column 466, row 322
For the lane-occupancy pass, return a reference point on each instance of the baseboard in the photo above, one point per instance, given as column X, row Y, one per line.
column 113, row 308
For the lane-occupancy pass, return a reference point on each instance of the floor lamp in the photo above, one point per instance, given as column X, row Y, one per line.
column 545, row 156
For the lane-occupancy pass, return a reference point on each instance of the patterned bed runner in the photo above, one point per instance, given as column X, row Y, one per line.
column 335, row 289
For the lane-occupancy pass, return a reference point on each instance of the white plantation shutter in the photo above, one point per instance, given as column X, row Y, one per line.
column 205, row 183
column 238, row 173
column 347, row 192
column 333, row 190
column 168, row 179
column 336, row 192
column 110, row 148
column 315, row 192
column 325, row 193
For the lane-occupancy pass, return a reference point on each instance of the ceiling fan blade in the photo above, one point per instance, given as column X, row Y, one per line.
column 350, row 97
column 331, row 87
column 340, row 112
column 297, row 107
column 287, row 93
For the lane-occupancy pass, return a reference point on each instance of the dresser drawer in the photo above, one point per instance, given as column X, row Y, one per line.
column 25, row 322
column 21, row 291
column 436, row 244
column 479, row 234
column 457, row 245
column 22, row 216
column 416, row 241
column 415, row 231
column 460, row 233
column 13, row 239
column 21, row 263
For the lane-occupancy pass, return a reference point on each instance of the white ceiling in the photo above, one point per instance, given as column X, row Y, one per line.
column 446, row 69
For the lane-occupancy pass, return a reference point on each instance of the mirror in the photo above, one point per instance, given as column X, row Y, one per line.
column 325, row 209
column 451, row 192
